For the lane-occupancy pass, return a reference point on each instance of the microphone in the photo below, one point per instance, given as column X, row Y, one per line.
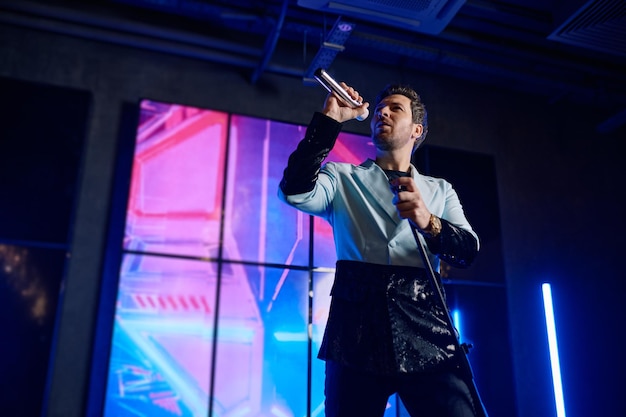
column 333, row 86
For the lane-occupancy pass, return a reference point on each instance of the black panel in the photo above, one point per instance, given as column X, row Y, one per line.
column 42, row 131
column 473, row 176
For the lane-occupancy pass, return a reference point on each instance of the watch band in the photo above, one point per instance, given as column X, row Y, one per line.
column 434, row 227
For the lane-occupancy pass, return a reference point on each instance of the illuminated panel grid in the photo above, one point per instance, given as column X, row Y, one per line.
column 264, row 228
column 258, row 227
column 163, row 336
column 263, row 372
column 177, row 181
column 189, row 163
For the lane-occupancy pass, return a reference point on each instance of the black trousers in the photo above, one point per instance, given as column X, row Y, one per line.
column 351, row 393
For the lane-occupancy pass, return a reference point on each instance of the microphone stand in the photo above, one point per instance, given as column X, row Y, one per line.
column 462, row 349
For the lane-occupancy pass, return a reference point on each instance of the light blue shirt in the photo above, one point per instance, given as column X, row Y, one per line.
column 357, row 202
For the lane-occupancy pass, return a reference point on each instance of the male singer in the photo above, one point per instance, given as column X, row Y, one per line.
column 385, row 332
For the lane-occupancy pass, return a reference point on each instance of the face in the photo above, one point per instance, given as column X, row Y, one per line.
column 392, row 124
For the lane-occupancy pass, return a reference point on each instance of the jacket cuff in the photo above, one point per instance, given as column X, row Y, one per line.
column 455, row 246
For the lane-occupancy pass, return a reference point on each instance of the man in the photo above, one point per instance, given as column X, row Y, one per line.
column 386, row 331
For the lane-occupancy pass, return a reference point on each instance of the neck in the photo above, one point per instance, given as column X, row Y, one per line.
column 393, row 162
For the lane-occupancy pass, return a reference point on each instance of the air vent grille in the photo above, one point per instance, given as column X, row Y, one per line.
column 599, row 25
column 427, row 16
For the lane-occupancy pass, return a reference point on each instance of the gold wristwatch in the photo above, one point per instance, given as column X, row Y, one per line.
column 434, row 227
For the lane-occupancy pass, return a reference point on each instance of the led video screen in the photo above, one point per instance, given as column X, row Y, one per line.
column 223, row 290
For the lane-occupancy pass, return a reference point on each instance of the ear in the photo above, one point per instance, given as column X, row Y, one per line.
column 418, row 129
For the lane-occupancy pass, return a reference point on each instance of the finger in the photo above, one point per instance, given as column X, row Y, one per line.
column 403, row 184
column 400, row 188
column 351, row 91
column 396, row 188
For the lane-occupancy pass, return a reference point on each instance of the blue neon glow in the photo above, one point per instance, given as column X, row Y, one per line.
column 554, row 350
column 456, row 320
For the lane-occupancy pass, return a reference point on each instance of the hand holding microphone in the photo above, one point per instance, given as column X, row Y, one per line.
column 340, row 93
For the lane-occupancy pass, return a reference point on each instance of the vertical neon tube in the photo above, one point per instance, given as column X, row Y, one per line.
column 554, row 350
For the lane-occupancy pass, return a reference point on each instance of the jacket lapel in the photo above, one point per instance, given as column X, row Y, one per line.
column 375, row 186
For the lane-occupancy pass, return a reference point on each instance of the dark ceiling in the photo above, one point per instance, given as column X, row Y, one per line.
column 561, row 50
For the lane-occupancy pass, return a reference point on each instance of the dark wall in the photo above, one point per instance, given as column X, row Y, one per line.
column 559, row 192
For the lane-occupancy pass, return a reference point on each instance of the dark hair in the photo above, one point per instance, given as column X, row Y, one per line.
column 418, row 109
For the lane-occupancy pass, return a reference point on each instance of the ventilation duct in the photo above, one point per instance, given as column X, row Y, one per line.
column 426, row 16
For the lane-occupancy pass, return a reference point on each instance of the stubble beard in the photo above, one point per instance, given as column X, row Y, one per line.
column 384, row 142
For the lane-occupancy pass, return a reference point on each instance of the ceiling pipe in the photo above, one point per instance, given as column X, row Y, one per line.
column 270, row 44
column 122, row 32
